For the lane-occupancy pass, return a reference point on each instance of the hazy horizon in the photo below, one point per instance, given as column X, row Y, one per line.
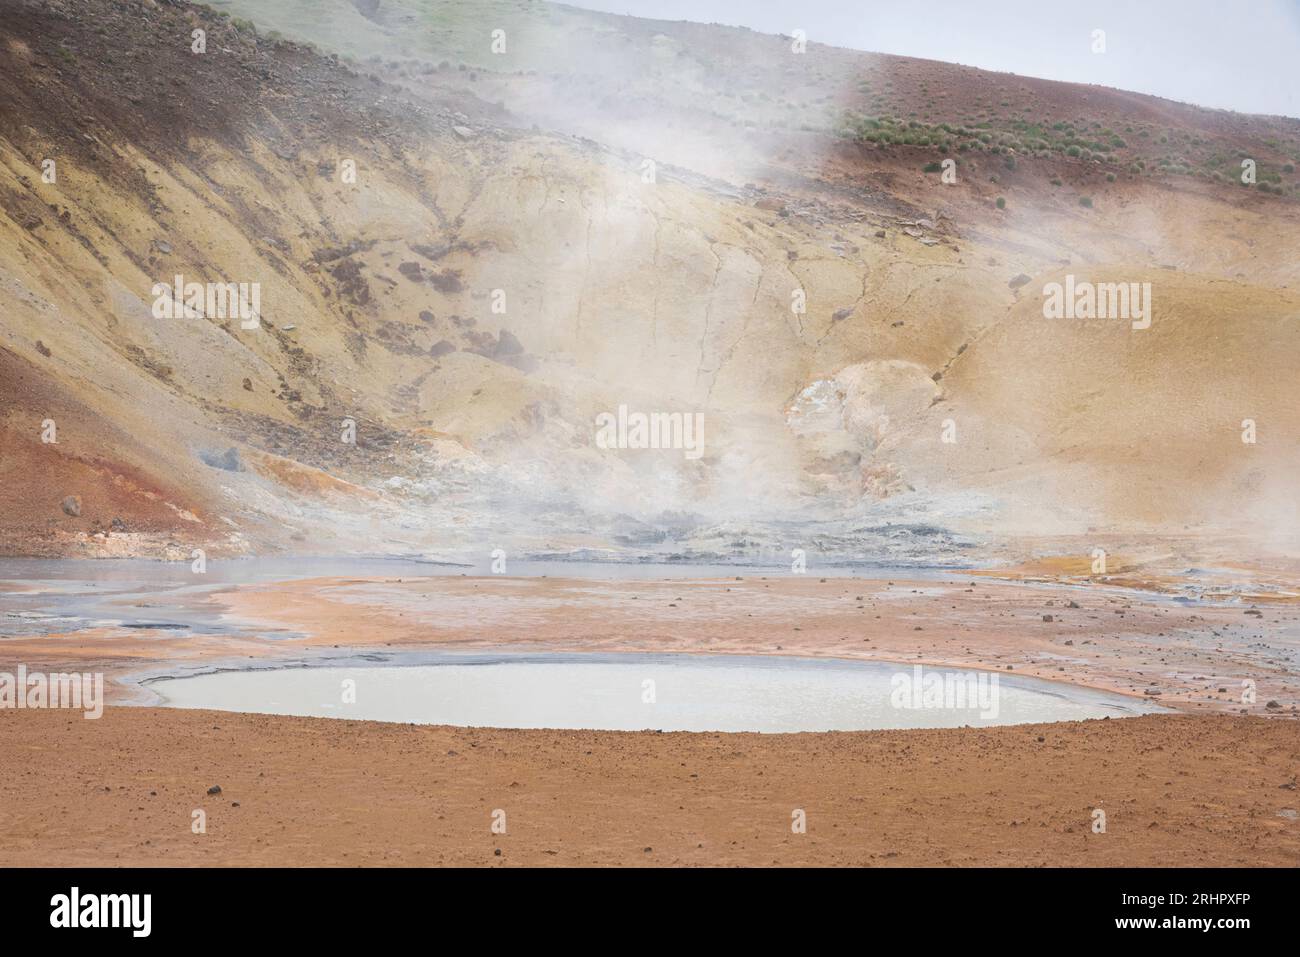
column 1190, row 52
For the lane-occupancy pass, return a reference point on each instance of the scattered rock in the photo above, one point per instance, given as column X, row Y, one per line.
column 215, row 789
column 117, row 524
column 508, row 345
column 465, row 133
column 227, row 461
column 1018, row 281
column 72, row 505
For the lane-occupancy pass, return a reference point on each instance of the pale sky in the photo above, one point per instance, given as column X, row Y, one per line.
column 1238, row 56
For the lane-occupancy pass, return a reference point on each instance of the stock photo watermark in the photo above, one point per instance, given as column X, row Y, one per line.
column 33, row 690
column 625, row 429
column 927, row 689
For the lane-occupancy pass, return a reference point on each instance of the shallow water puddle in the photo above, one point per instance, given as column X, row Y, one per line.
column 648, row 692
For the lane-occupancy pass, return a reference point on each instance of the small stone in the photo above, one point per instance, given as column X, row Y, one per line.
column 215, row 789
column 228, row 460
column 72, row 505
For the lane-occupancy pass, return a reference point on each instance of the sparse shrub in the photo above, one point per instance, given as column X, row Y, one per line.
column 1085, row 201
column 1001, row 203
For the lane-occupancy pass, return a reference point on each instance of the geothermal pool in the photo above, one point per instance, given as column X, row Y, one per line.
column 631, row 692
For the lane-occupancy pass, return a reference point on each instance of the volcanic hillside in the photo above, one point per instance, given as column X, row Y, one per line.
column 464, row 257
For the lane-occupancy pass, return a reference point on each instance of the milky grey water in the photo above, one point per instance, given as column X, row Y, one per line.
column 643, row 692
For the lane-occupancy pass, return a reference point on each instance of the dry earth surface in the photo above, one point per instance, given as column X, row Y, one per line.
column 1178, row 791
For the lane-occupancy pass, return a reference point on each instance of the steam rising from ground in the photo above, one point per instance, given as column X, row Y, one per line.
column 611, row 214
